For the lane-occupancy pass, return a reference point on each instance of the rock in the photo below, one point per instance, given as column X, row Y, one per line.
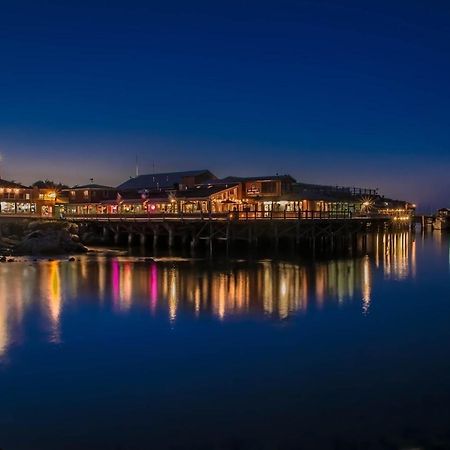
column 9, row 241
column 73, row 229
column 75, row 237
column 50, row 244
column 41, row 238
column 2, row 259
column 91, row 238
column 34, row 234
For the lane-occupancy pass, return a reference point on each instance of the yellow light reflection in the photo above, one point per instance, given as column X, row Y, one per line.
column 4, row 337
column 272, row 288
column 366, row 285
column 54, row 298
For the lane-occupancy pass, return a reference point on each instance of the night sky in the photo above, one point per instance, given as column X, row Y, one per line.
column 336, row 92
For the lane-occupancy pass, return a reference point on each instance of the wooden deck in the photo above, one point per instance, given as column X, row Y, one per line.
column 224, row 217
column 305, row 228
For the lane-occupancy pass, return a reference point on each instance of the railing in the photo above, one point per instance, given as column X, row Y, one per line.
column 289, row 215
column 5, row 215
column 233, row 215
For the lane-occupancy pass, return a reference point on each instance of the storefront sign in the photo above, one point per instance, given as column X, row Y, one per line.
column 253, row 189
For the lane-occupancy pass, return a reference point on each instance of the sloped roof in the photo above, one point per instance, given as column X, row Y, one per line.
column 12, row 184
column 161, row 180
column 193, row 193
column 318, row 196
column 233, row 179
column 92, row 186
column 203, row 192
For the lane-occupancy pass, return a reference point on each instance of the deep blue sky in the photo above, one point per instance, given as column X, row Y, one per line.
column 349, row 92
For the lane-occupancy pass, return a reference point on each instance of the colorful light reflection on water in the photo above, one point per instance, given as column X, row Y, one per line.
column 190, row 350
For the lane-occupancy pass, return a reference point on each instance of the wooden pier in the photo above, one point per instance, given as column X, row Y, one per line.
column 313, row 229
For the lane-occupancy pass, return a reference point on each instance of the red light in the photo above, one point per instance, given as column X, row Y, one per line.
column 152, row 207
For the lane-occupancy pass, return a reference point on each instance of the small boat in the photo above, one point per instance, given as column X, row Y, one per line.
column 442, row 219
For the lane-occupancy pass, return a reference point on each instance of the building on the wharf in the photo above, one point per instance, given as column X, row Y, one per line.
column 199, row 199
column 89, row 198
column 249, row 193
column 399, row 209
column 201, row 192
column 282, row 193
column 210, row 198
column 213, row 195
column 157, row 182
column 337, row 200
column 19, row 200
column 175, row 192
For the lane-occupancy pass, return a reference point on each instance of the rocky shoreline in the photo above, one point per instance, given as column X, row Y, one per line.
column 39, row 238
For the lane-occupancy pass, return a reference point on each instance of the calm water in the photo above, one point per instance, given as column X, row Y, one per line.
column 126, row 353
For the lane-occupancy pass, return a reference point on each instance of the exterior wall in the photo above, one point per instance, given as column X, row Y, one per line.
column 227, row 200
column 89, row 195
column 252, row 189
column 45, row 201
column 137, row 207
column 27, row 201
column 93, row 208
column 191, row 181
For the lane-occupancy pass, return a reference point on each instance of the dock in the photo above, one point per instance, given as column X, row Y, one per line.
column 312, row 229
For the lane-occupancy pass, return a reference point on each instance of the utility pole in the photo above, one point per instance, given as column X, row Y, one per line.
column 137, row 167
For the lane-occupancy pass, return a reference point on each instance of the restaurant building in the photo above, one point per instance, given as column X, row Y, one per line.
column 17, row 199
column 89, row 199
column 201, row 192
column 167, row 181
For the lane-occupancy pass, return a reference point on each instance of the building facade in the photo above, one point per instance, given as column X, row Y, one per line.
column 200, row 192
column 19, row 200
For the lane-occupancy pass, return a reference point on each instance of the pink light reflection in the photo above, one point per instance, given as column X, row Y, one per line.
column 153, row 286
column 116, row 281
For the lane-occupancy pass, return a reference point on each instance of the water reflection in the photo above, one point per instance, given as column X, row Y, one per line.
column 398, row 253
column 51, row 281
column 267, row 288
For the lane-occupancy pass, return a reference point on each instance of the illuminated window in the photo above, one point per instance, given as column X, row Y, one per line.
column 7, row 207
column 23, row 208
column 46, row 210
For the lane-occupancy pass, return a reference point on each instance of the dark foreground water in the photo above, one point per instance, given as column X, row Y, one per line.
column 126, row 353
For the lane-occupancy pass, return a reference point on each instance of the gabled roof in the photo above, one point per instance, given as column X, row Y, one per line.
column 165, row 180
column 11, row 184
